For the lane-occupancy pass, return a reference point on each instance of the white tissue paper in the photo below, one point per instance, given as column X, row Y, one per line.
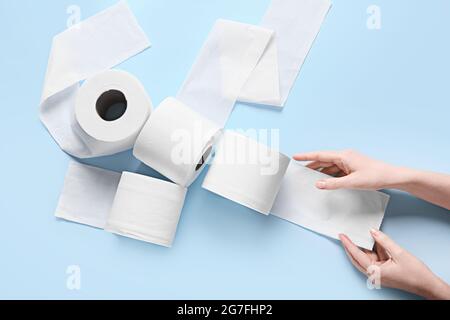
column 88, row 195
column 246, row 172
column 227, row 59
column 127, row 204
column 274, row 184
column 146, row 209
column 242, row 62
column 110, row 110
column 92, row 46
column 177, row 142
column 296, row 24
column 350, row 212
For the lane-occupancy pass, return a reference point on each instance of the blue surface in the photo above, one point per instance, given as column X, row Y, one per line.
column 382, row 92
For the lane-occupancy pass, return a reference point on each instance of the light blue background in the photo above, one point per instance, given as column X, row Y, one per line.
column 385, row 93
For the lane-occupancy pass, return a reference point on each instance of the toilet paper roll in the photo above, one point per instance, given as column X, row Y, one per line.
column 246, row 172
column 176, row 142
column 96, row 44
column 111, row 109
column 146, row 209
column 266, row 181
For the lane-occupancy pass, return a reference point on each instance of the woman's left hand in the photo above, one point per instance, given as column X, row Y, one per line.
column 396, row 267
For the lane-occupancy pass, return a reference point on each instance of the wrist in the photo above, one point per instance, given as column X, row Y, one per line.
column 401, row 178
column 437, row 289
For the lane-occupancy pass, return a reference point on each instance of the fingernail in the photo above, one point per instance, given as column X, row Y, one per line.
column 321, row 184
column 374, row 232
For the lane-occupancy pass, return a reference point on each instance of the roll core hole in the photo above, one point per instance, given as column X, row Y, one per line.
column 111, row 105
column 204, row 159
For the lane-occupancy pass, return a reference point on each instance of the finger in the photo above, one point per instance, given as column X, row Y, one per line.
column 346, row 182
column 332, row 171
column 359, row 256
column 354, row 262
column 318, row 165
column 322, row 156
column 391, row 248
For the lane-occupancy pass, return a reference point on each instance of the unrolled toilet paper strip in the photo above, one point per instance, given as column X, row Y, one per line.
column 146, row 209
column 228, row 57
column 177, row 142
column 92, row 46
column 250, row 63
column 88, row 195
column 350, row 212
column 296, row 24
column 246, row 172
column 274, row 184
column 127, row 204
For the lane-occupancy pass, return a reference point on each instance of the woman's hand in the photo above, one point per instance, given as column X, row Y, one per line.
column 396, row 267
column 351, row 170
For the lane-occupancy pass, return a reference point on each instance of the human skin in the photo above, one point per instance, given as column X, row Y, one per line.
column 399, row 269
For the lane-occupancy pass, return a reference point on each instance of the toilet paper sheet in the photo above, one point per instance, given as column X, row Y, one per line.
column 350, row 212
column 92, row 46
column 127, row 204
column 266, row 181
column 296, row 24
column 256, row 64
column 228, row 57
column 87, row 195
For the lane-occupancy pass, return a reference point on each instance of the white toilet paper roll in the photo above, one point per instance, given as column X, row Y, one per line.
column 176, row 142
column 146, row 209
column 264, row 180
column 96, row 44
column 246, row 172
column 111, row 109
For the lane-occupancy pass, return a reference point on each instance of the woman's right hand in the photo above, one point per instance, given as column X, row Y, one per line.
column 351, row 170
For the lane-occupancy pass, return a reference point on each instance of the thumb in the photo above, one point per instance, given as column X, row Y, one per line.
column 335, row 183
